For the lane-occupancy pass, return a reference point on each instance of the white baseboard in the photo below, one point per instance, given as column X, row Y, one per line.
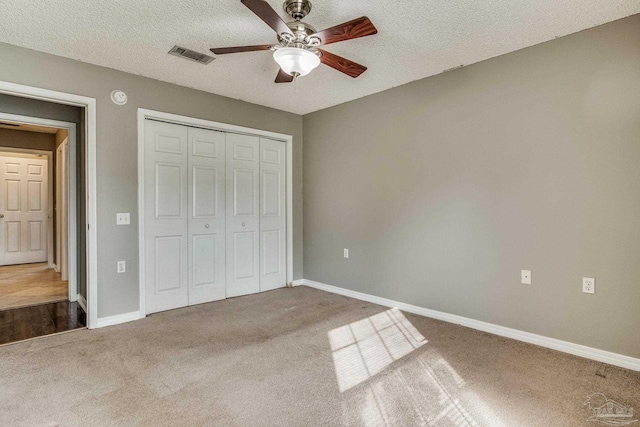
column 82, row 302
column 298, row 282
column 117, row 319
column 552, row 343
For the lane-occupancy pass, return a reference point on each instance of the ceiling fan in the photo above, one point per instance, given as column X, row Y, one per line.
column 297, row 51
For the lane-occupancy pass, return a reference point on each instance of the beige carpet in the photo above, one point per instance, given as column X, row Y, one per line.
column 299, row 357
column 30, row 284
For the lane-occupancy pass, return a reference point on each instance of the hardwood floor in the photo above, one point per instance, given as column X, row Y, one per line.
column 19, row 324
column 33, row 303
column 30, row 284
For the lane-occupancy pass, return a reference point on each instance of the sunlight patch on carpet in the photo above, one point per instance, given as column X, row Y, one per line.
column 365, row 348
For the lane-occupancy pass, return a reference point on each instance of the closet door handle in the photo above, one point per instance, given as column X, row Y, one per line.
column 206, row 226
column 243, row 224
column 1, row 215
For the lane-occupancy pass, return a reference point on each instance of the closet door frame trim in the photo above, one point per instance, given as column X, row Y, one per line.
column 144, row 114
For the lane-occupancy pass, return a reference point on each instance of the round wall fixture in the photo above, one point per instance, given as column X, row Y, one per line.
column 119, row 97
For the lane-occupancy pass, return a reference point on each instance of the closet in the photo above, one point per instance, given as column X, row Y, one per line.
column 214, row 215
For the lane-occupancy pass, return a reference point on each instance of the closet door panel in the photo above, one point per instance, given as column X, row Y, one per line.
column 273, row 218
column 206, row 163
column 243, row 216
column 165, row 216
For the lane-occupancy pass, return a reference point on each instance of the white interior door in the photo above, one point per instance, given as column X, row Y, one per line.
column 23, row 210
column 273, row 218
column 243, row 215
column 166, row 213
column 206, row 215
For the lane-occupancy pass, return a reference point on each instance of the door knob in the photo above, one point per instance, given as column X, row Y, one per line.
column 1, row 215
column 206, row 226
column 243, row 224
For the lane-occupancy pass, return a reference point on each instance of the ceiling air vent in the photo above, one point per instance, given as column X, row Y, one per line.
column 191, row 55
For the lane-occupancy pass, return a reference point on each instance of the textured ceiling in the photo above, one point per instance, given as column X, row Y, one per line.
column 415, row 40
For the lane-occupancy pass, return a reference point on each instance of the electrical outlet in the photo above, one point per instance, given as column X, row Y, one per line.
column 588, row 285
column 525, row 277
column 346, row 253
column 122, row 266
column 123, row 219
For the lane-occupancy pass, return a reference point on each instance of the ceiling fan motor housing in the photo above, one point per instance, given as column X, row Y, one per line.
column 297, row 9
column 299, row 36
column 300, row 28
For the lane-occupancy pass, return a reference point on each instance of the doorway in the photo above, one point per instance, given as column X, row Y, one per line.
column 38, row 280
column 85, row 236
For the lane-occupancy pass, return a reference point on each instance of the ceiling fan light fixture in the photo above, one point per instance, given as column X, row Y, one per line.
column 296, row 61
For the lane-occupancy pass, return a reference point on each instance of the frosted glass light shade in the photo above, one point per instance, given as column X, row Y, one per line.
column 295, row 60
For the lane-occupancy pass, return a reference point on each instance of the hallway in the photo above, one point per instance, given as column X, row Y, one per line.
column 30, row 284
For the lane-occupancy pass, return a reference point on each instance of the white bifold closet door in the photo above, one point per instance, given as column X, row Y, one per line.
column 215, row 216
column 256, row 215
column 184, row 216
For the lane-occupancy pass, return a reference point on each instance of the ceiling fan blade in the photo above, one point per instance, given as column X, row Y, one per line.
column 224, row 50
column 341, row 64
column 283, row 77
column 268, row 15
column 359, row 27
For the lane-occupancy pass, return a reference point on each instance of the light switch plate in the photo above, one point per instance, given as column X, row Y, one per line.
column 122, row 266
column 525, row 277
column 346, row 253
column 123, row 219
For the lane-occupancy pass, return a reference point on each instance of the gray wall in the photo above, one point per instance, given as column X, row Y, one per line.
column 117, row 150
column 23, row 139
column 445, row 188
